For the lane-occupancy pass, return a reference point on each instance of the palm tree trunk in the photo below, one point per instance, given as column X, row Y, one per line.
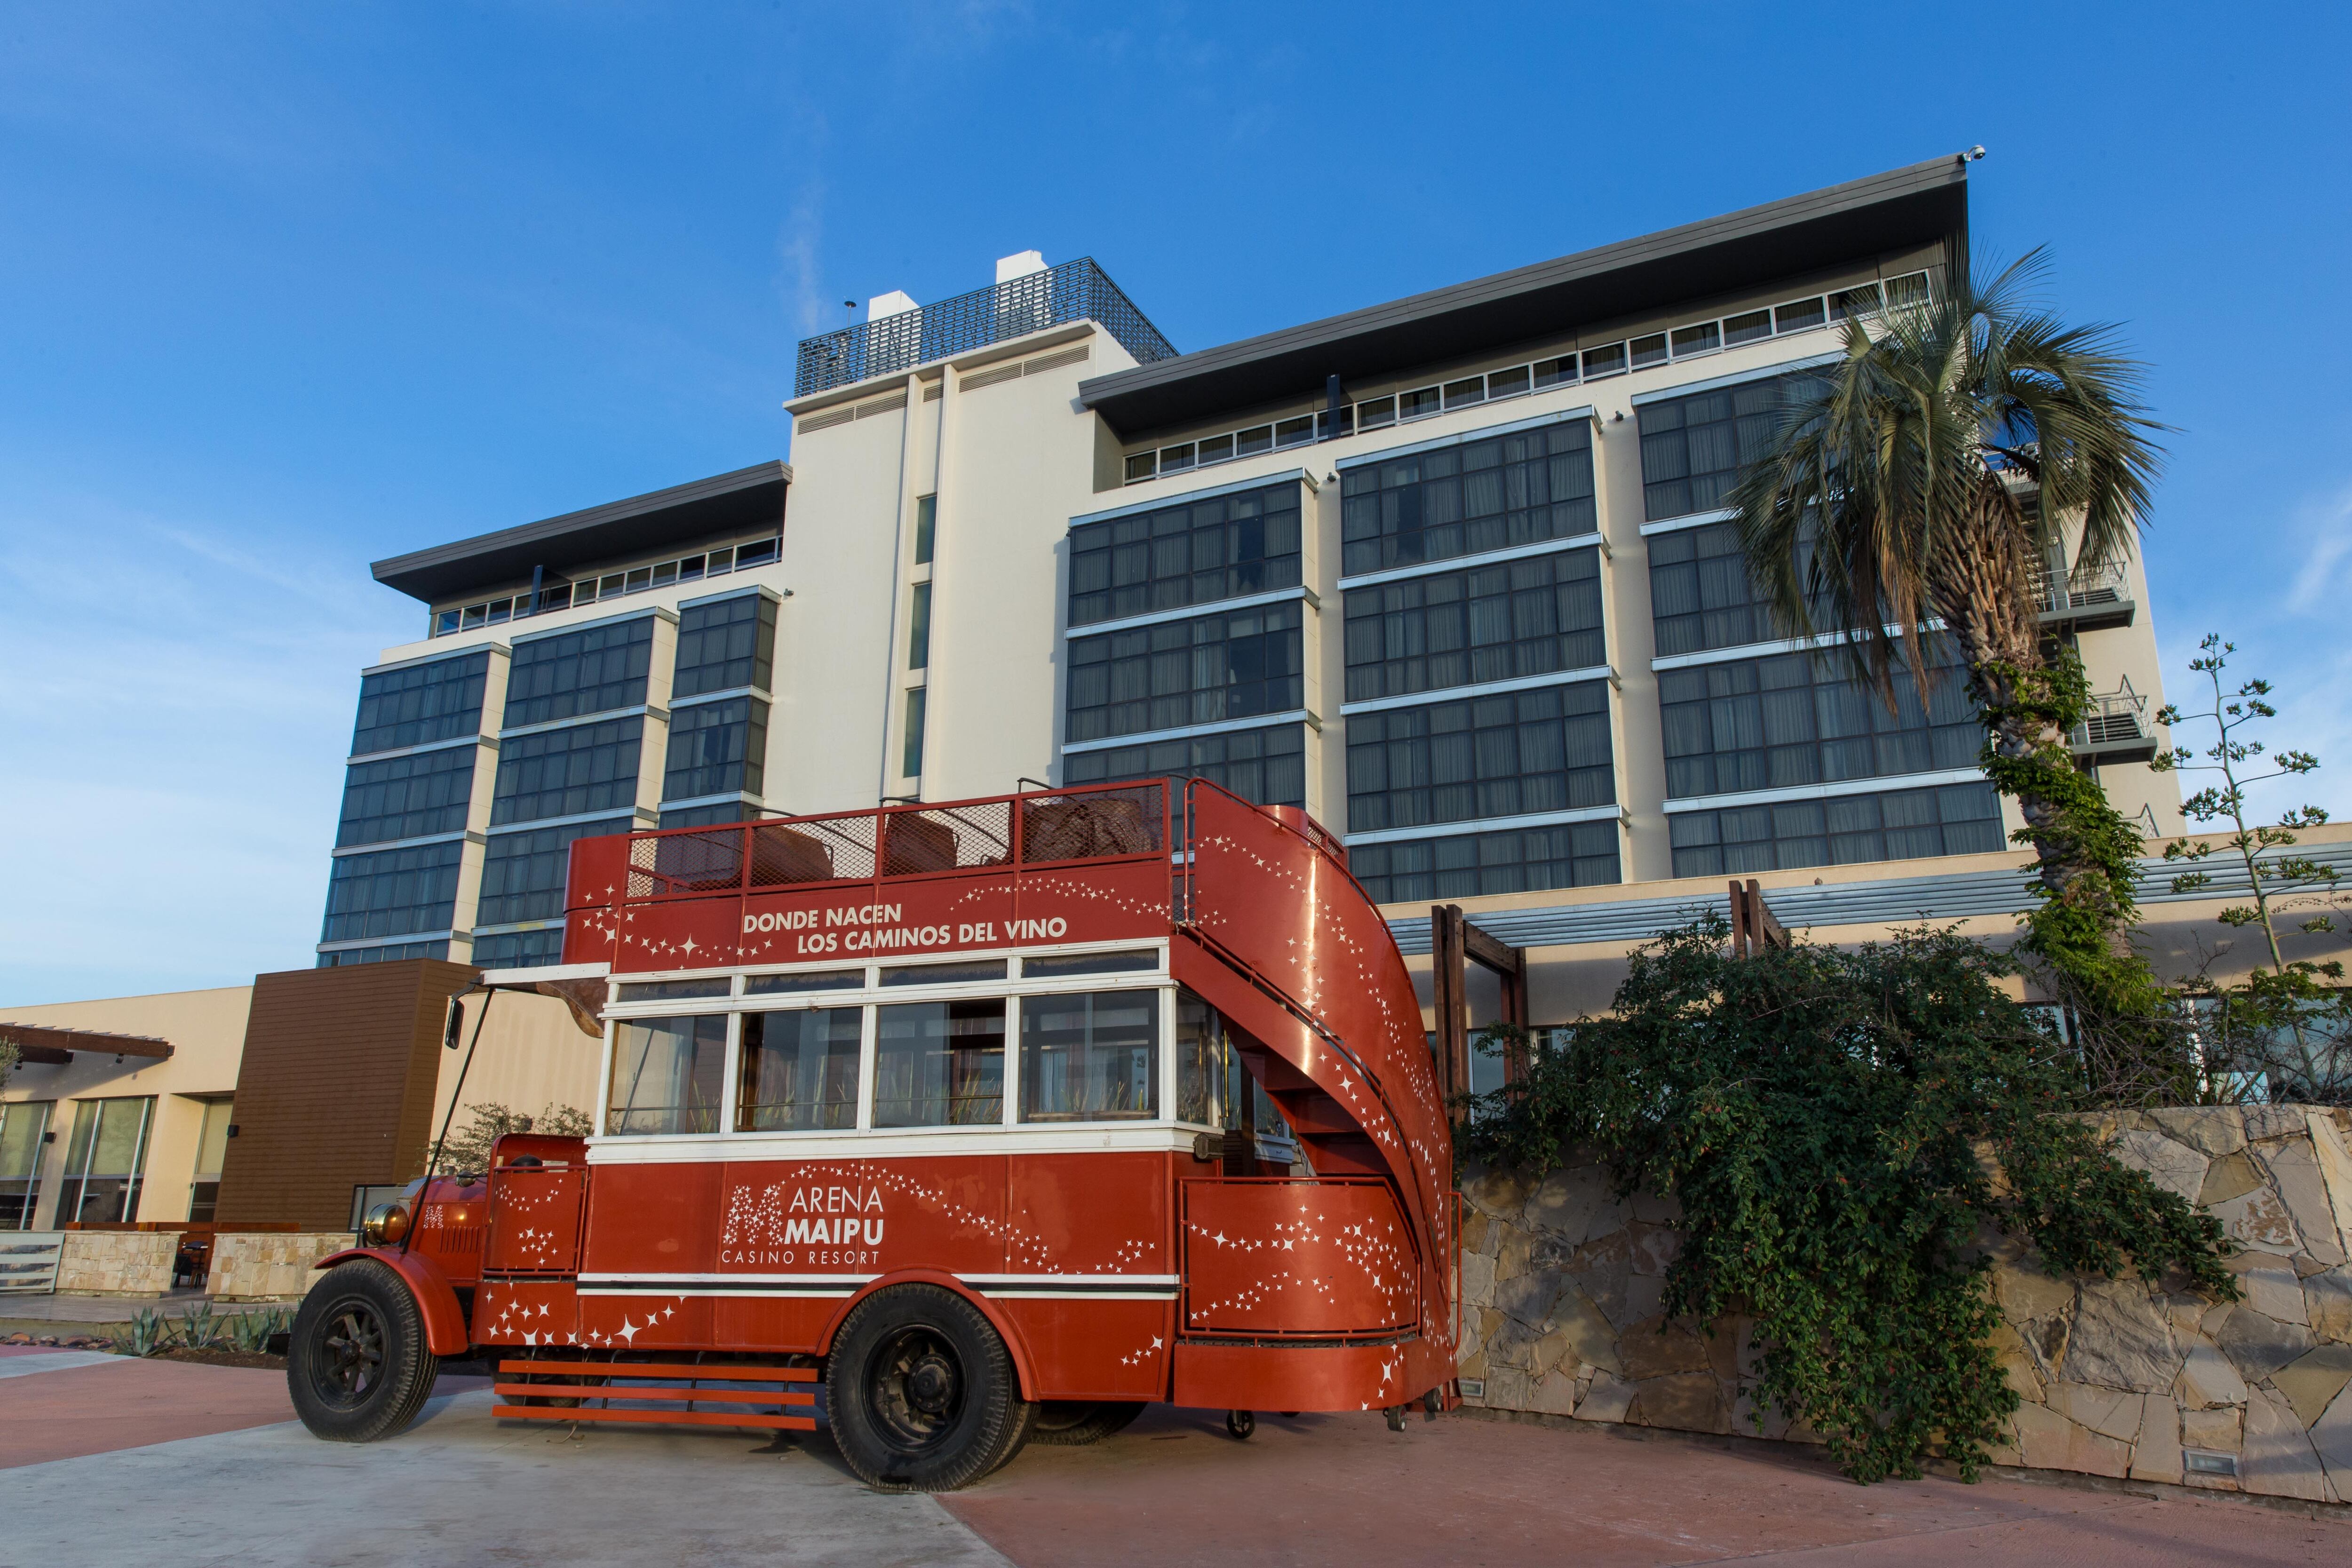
column 1981, row 585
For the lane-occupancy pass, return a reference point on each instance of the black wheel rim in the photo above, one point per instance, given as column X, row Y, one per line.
column 347, row 1362
column 915, row 1390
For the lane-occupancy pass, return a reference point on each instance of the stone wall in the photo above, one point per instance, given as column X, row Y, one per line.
column 270, row 1265
column 1562, row 1279
column 116, row 1262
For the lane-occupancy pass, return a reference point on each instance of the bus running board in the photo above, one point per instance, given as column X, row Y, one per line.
column 600, row 1383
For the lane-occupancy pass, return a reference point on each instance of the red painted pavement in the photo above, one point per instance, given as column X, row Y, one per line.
column 1174, row 1489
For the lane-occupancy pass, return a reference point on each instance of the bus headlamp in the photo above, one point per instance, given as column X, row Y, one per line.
column 386, row 1224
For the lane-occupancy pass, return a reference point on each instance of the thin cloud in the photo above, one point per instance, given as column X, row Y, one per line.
column 2328, row 539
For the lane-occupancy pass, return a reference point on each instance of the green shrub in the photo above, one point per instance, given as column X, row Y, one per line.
column 1839, row 1128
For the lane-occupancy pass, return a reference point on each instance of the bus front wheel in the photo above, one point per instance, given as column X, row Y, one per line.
column 920, row 1392
column 356, row 1363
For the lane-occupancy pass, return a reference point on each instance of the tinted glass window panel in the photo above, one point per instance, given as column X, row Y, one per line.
column 1193, row 554
column 716, row 748
column 1266, row 767
column 1513, row 754
column 939, row 1064
column 1521, row 488
column 407, row 797
column 392, row 893
column 1795, row 719
column 523, row 874
column 1567, row 855
column 593, row 670
column 730, row 644
column 1693, row 447
column 666, row 1074
column 799, row 1071
column 1955, row 819
column 421, row 704
column 1507, row 622
column 1181, row 673
column 568, row 772
column 520, row 949
column 392, row 952
column 1090, row 1057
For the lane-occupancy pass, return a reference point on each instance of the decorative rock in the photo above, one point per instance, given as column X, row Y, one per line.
column 2175, row 1167
column 2275, row 1121
column 2026, row 1293
column 2231, row 1176
column 2211, row 1130
column 2218, row 1431
column 1511, row 1256
column 2016, row 1363
column 1555, row 1395
column 2050, row 1442
column 2331, row 1435
column 1606, row 1400
column 1686, row 1401
column 1478, row 1279
column 2258, row 1220
column 2277, row 1457
column 2156, row 1455
column 2107, row 1411
column 2258, row 1345
column 2327, row 1304
column 1529, row 1297
column 2208, row 1379
column 1496, row 1193
column 1508, row 1388
column 2312, row 1380
column 1588, row 1336
column 1653, row 1248
column 2272, row 1289
column 2296, row 1171
column 2120, row 1339
column 1652, row 1209
column 1656, row 1348
column 1475, row 1226
column 1565, row 1202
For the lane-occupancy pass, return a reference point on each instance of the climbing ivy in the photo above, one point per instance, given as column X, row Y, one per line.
column 1840, row 1127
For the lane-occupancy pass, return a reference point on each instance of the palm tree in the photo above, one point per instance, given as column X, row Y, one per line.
column 1889, row 502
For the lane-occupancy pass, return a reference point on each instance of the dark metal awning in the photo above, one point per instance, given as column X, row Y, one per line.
column 56, row 1047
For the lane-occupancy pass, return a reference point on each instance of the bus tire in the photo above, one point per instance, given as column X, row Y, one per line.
column 356, row 1363
column 920, row 1392
column 1073, row 1424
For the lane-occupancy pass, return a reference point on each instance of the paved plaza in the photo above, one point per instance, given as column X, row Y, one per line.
column 108, row 1461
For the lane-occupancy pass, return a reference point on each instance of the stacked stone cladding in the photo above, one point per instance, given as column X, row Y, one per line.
column 1562, row 1281
column 270, row 1265
column 116, row 1262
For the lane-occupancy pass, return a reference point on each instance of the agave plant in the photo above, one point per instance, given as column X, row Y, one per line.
column 200, row 1327
column 253, row 1330
column 149, row 1334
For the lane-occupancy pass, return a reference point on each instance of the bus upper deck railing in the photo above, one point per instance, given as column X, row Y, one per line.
column 1004, row 833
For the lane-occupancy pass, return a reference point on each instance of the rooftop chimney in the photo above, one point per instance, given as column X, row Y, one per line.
column 894, row 303
column 1019, row 265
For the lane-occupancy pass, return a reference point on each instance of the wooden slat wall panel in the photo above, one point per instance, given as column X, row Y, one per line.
column 335, row 1088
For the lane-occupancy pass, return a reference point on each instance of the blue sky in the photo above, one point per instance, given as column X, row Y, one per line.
column 287, row 288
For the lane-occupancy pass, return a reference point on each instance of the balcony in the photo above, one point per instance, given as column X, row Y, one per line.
column 2114, row 729
column 2086, row 601
column 1074, row 291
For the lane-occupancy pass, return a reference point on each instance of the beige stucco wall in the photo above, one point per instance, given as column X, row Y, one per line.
column 206, row 1031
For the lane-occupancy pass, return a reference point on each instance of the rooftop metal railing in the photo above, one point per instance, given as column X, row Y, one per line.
column 1075, row 291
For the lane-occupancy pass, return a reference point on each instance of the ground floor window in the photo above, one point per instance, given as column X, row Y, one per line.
column 1902, row 825
column 106, row 1159
column 1566, row 855
column 22, row 1127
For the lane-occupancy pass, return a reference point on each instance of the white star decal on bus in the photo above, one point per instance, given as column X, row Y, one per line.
column 629, row 1330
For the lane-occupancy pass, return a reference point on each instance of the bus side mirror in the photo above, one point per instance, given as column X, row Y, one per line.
column 455, row 1026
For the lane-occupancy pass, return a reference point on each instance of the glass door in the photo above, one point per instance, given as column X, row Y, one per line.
column 23, row 1124
column 105, row 1161
column 212, row 1149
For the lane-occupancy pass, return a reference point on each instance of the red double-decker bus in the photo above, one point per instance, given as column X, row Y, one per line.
column 987, row 1122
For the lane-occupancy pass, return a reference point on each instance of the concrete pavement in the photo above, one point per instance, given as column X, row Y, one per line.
column 153, row 1461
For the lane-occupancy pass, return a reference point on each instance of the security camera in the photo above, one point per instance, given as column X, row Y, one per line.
column 1974, row 155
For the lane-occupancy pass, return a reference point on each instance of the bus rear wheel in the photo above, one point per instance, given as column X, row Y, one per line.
column 356, row 1363
column 1070, row 1424
column 920, row 1392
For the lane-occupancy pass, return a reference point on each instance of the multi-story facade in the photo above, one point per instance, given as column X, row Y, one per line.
column 1451, row 572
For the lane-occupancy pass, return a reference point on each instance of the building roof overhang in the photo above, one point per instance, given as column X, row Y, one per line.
column 747, row 498
column 56, row 1047
column 1925, row 204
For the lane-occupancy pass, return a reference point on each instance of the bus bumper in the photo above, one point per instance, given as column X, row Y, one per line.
column 1330, row 1377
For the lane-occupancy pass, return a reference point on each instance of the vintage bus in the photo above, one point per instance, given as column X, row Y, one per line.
column 986, row 1122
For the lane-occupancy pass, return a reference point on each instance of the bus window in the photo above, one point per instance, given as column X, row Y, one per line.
column 1057, row 965
column 666, row 1074
column 799, row 1071
column 943, row 973
column 940, row 1064
column 675, row 990
column 785, row 984
column 1201, row 1062
column 1090, row 1057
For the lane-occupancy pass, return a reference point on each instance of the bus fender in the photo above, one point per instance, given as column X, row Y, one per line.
column 1004, row 1330
column 436, row 1300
